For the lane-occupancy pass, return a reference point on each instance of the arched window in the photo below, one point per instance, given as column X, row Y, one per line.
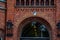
column 27, row 2
column 35, row 30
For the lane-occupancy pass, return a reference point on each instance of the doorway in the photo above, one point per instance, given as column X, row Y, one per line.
column 35, row 30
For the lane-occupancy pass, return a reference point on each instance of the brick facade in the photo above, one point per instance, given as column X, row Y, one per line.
column 18, row 15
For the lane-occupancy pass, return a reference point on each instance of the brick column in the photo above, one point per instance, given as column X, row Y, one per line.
column 24, row 2
column 29, row 2
column 49, row 2
column 10, row 15
column 44, row 2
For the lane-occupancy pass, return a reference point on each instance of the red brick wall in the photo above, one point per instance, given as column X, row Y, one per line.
column 2, row 16
column 2, row 19
column 17, row 15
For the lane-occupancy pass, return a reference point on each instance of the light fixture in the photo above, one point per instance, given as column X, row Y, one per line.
column 34, row 13
column 9, row 27
column 9, row 24
column 58, row 25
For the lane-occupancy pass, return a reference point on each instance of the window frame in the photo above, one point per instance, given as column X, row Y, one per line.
column 42, row 3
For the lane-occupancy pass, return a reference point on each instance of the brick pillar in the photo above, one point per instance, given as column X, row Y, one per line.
column 10, row 14
column 58, row 14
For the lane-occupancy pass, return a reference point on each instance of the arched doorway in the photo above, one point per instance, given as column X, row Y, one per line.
column 35, row 29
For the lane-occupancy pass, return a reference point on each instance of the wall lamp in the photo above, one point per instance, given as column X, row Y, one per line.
column 9, row 28
column 9, row 24
column 58, row 25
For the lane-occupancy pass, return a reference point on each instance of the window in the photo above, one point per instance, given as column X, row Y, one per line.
column 42, row 2
column 52, row 2
column 47, row 2
column 37, row 2
column 17, row 2
column 22, row 2
column 32, row 2
column 27, row 2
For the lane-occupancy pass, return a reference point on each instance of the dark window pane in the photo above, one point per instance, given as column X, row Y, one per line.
column 45, row 33
column 34, row 29
column 37, row 2
column 27, row 2
column 17, row 2
column 22, row 2
column 32, row 2
column 42, row 2
column 52, row 2
column 47, row 2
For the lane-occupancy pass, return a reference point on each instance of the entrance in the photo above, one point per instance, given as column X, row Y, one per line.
column 35, row 30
